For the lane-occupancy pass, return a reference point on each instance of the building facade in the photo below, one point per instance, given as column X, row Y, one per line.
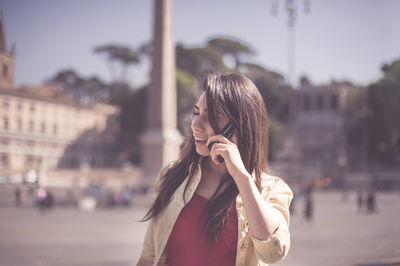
column 315, row 143
column 319, row 132
column 43, row 129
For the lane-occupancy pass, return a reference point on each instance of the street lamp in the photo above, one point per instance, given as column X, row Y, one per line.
column 291, row 9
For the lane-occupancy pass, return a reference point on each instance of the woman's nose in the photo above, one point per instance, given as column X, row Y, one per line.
column 198, row 123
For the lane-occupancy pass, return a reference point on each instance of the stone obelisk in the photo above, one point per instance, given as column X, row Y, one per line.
column 161, row 139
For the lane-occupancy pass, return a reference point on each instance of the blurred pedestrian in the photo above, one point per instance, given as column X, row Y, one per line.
column 309, row 204
column 371, row 202
column 49, row 200
column 41, row 196
column 126, row 197
column 17, row 196
column 308, row 212
column 217, row 195
column 359, row 200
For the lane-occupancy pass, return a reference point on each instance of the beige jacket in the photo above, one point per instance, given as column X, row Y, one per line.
column 250, row 251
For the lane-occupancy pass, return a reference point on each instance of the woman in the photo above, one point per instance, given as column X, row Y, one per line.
column 220, row 211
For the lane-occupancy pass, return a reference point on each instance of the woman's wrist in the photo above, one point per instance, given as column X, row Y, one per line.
column 243, row 178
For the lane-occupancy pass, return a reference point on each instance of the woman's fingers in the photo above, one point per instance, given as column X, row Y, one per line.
column 220, row 149
column 216, row 149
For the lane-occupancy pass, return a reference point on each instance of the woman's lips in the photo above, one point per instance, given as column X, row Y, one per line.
column 200, row 141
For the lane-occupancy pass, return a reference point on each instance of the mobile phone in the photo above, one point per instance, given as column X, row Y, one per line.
column 227, row 132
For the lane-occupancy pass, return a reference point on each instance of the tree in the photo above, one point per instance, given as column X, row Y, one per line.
column 276, row 138
column 230, row 47
column 187, row 90
column 384, row 122
column 373, row 119
column 355, row 127
column 275, row 92
column 132, row 121
column 392, row 71
column 119, row 54
column 198, row 61
column 305, row 81
column 85, row 90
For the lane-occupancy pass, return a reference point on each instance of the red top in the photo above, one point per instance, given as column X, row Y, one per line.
column 187, row 245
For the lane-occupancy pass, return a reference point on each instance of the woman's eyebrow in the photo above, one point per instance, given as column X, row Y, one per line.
column 198, row 108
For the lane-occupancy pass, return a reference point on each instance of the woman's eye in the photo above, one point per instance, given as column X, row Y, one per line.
column 195, row 113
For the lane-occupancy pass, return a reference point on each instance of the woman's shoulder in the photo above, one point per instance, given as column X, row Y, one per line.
column 274, row 183
column 269, row 179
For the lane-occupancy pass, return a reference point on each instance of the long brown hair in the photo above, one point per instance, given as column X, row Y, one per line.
column 237, row 97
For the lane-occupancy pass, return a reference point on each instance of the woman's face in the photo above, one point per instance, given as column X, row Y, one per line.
column 201, row 127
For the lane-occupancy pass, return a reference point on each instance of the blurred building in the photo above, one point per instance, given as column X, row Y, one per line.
column 315, row 147
column 318, row 130
column 43, row 129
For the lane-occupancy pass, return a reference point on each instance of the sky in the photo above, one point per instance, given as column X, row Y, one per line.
column 339, row 40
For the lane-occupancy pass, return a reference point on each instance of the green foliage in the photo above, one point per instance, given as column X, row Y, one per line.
column 355, row 114
column 119, row 54
column 275, row 92
column 384, row 123
column 392, row 72
column 187, row 92
column 85, row 90
column 276, row 138
column 230, row 47
column 132, row 121
column 373, row 118
column 198, row 61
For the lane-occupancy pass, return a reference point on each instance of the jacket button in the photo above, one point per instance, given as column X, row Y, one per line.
column 244, row 247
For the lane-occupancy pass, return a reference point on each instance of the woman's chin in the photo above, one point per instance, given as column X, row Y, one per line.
column 202, row 151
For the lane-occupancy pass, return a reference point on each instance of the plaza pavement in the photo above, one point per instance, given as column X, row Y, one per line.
column 338, row 235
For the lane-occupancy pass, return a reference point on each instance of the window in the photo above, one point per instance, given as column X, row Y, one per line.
column 54, row 129
column 320, row 102
column 6, row 103
column 5, row 123
column 29, row 160
column 5, row 70
column 334, row 102
column 32, row 108
column 19, row 125
column 31, row 126
column 20, row 105
column 43, row 127
column 5, row 160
